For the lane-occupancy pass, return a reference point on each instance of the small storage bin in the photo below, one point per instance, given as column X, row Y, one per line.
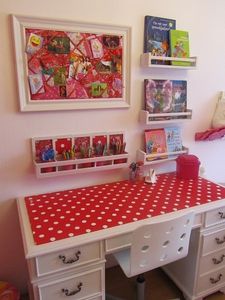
column 187, row 166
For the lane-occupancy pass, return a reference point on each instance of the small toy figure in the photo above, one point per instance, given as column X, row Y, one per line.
column 136, row 171
column 151, row 177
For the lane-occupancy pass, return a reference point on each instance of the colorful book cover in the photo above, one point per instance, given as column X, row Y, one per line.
column 179, row 96
column 155, row 143
column 164, row 96
column 158, row 95
column 179, row 44
column 173, row 139
column 156, row 36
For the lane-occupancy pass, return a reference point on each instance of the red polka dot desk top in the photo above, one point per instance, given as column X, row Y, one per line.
column 59, row 215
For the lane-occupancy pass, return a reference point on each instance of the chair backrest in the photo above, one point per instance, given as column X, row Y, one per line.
column 157, row 244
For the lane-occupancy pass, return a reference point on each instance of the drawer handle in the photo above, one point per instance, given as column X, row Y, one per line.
column 218, row 261
column 70, row 260
column 68, row 293
column 222, row 215
column 219, row 241
column 213, row 280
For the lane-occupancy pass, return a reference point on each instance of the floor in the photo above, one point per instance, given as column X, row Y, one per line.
column 158, row 286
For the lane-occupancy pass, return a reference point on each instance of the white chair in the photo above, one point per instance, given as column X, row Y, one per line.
column 154, row 245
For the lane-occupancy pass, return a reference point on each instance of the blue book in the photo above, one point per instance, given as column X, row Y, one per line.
column 156, row 35
column 173, row 139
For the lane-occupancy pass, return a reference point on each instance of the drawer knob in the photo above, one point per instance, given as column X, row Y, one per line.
column 70, row 260
column 219, row 241
column 221, row 214
column 71, row 293
column 218, row 261
column 213, row 280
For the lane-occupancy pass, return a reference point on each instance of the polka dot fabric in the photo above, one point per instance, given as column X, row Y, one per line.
column 59, row 215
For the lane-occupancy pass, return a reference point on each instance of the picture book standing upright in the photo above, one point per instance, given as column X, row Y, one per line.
column 156, row 36
column 173, row 139
column 164, row 96
column 155, row 144
column 179, row 44
column 179, row 96
column 158, row 95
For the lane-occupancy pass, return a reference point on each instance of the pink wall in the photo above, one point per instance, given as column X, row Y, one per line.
column 17, row 176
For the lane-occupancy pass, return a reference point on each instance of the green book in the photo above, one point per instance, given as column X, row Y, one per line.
column 179, row 45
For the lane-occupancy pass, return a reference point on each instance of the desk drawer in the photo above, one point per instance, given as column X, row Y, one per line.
column 211, row 280
column 66, row 259
column 117, row 243
column 213, row 241
column 80, row 286
column 216, row 216
column 212, row 261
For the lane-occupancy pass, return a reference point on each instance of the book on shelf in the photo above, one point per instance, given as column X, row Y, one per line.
column 155, row 144
column 158, row 95
column 179, row 95
column 173, row 139
column 165, row 96
column 156, row 36
column 179, row 45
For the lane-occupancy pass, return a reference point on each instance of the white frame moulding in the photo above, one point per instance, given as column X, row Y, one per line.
column 20, row 23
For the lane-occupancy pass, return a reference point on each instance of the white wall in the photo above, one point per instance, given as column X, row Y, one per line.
column 205, row 21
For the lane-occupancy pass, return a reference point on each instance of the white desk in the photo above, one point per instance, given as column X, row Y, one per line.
column 67, row 234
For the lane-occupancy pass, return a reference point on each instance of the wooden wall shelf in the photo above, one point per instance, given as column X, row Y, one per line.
column 164, row 118
column 61, row 155
column 150, row 159
column 147, row 58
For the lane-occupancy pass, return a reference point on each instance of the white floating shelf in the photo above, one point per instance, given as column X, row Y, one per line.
column 149, row 159
column 147, row 58
column 164, row 118
column 69, row 154
column 83, row 165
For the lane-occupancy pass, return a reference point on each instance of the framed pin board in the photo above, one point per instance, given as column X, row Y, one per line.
column 64, row 65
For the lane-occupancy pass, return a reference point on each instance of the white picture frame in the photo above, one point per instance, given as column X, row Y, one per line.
column 22, row 25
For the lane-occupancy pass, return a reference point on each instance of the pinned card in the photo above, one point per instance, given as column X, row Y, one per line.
column 98, row 88
column 97, row 48
column 85, row 48
column 36, row 84
column 34, row 65
column 34, row 43
column 75, row 37
column 76, row 90
column 59, row 45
